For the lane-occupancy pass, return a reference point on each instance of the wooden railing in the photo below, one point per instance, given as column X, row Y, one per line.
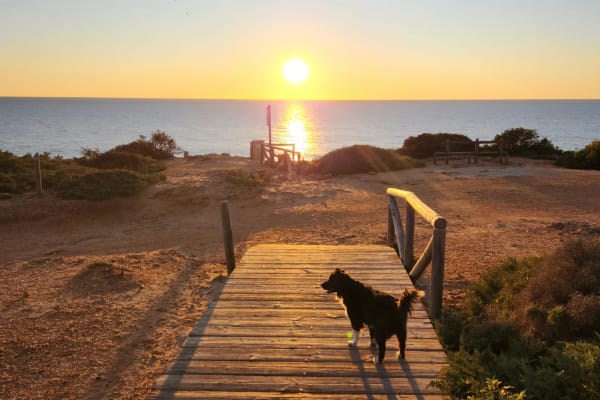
column 274, row 154
column 475, row 153
column 434, row 251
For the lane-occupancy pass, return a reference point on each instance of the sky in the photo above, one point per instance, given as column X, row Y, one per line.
column 355, row 50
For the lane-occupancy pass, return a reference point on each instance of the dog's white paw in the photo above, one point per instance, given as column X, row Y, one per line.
column 355, row 336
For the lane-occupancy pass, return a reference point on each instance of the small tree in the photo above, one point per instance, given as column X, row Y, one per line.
column 526, row 142
column 163, row 142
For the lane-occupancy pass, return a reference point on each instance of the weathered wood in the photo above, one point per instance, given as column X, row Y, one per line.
column 37, row 175
column 280, row 335
column 419, row 267
column 409, row 238
column 248, row 395
column 437, row 272
column 227, row 237
column 398, row 229
column 423, row 209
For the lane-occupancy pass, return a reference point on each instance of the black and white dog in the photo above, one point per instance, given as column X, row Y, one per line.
column 384, row 314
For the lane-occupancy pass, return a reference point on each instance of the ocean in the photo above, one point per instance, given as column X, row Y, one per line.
column 63, row 126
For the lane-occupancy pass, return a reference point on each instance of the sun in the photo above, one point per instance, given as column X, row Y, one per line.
column 295, row 71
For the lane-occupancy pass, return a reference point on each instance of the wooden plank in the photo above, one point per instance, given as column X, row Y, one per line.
column 293, row 368
column 220, row 395
column 298, row 384
column 309, row 354
column 274, row 333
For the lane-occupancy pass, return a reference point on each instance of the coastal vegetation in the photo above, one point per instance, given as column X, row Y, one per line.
column 587, row 158
column 528, row 329
column 525, row 142
column 426, row 145
column 126, row 169
column 359, row 159
column 121, row 171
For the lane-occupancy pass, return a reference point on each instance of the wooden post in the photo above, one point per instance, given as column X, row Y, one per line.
column 437, row 269
column 398, row 229
column 409, row 237
column 227, row 237
column 37, row 175
column 271, row 150
column 447, row 151
column 476, row 149
column 390, row 228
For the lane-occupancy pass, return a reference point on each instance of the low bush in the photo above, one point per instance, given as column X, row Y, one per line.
column 121, row 171
column 426, row 144
column 587, row 158
column 160, row 146
column 529, row 329
column 526, row 143
column 91, row 184
column 114, row 159
column 16, row 173
column 359, row 159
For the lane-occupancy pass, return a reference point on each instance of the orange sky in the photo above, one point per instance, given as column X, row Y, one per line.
column 355, row 50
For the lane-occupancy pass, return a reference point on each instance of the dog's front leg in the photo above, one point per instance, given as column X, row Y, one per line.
column 355, row 337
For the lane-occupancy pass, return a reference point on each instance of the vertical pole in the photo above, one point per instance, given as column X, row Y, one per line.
column 476, row 149
column 37, row 175
column 447, row 151
column 390, row 228
column 409, row 237
column 227, row 237
column 271, row 151
column 437, row 271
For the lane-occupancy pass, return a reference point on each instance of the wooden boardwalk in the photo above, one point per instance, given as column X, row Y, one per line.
column 274, row 333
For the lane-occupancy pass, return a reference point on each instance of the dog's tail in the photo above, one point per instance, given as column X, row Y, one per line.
column 409, row 297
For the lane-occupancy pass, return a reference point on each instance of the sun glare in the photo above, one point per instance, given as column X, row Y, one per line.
column 295, row 71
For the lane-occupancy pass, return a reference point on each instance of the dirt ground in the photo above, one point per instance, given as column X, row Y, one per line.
column 97, row 297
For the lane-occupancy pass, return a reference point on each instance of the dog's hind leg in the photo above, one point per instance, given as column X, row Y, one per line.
column 380, row 338
column 401, row 344
column 372, row 334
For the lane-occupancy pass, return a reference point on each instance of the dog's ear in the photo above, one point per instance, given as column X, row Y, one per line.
column 339, row 271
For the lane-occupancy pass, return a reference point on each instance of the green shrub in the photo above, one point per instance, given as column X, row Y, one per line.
column 526, row 142
column 16, row 173
column 426, row 144
column 588, row 158
column 504, row 341
column 562, row 300
column 114, row 159
column 359, row 159
column 160, row 146
column 102, row 184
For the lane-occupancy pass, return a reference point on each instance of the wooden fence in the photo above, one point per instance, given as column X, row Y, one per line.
column 404, row 238
column 274, row 154
column 475, row 153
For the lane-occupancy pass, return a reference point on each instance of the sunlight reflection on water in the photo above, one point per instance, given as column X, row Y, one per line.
column 295, row 126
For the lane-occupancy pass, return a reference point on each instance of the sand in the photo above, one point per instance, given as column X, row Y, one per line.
column 97, row 297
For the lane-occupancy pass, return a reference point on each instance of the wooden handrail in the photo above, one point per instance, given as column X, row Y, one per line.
column 423, row 209
column 404, row 238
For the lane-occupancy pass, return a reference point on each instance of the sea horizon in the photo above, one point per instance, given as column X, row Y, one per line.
column 65, row 125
